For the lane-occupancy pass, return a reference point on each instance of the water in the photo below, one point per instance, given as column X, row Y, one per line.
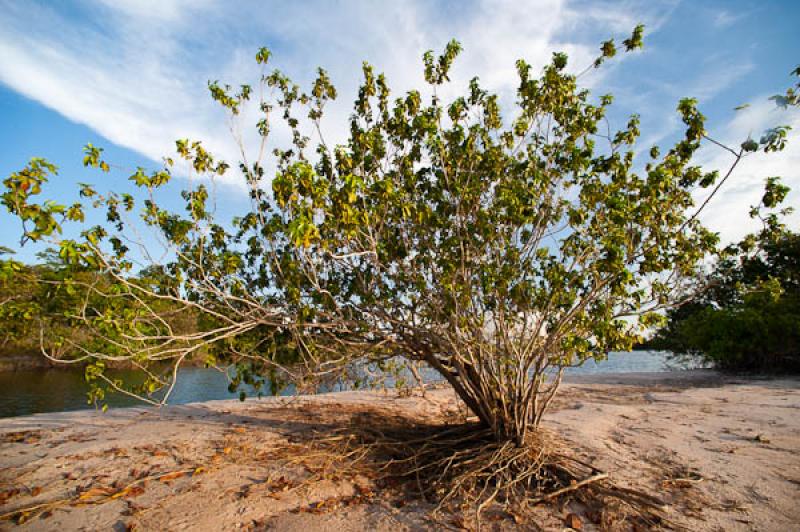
column 623, row 362
column 58, row 390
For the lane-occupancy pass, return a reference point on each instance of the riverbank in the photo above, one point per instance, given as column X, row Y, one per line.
column 34, row 360
column 722, row 452
column 25, row 362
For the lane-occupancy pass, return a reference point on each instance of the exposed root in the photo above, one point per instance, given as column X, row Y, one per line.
column 464, row 468
column 572, row 487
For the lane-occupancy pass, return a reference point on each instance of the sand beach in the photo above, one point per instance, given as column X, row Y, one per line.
column 722, row 452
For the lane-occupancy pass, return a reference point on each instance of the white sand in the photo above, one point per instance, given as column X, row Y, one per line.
column 724, row 454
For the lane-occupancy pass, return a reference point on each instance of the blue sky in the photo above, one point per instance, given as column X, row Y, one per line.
column 130, row 76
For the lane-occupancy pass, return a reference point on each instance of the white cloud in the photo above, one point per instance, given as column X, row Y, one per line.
column 724, row 18
column 125, row 84
column 728, row 211
column 135, row 71
column 150, row 10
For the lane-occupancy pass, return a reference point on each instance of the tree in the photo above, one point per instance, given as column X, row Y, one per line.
column 749, row 318
column 496, row 251
column 31, row 295
column 44, row 309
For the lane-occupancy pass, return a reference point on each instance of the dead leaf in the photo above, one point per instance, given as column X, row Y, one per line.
column 25, row 436
column 131, row 491
column 22, row 517
column 6, row 495
column 574, row 522
column 171, row 476
column 92, row 493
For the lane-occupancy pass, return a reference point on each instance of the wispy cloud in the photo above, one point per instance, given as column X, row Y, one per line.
column 122, row 77
column 728, row 212
column 135, row 71
column 724, row 18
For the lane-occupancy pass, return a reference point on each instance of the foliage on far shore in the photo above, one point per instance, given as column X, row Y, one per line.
column 43, row 310
column 32, row 295
column 749, row 319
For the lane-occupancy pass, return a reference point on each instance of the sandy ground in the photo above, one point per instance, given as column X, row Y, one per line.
column 723, row 453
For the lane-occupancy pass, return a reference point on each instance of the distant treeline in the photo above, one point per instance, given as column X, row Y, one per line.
column 53, row 305
column 748, row 319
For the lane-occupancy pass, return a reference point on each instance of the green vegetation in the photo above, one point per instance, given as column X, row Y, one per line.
column 749, row 318
column 498, row 250
column 35, row 304
column 56, row 308
column 745, row 315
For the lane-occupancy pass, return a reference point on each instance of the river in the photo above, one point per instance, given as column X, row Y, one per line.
column 58, row 390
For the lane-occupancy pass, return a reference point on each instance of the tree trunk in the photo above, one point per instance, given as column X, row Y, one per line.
column 511, row 417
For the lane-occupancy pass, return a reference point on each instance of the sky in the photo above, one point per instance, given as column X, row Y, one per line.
column 131, row 75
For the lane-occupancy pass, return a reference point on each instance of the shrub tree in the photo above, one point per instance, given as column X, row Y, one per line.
column 498, row 250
